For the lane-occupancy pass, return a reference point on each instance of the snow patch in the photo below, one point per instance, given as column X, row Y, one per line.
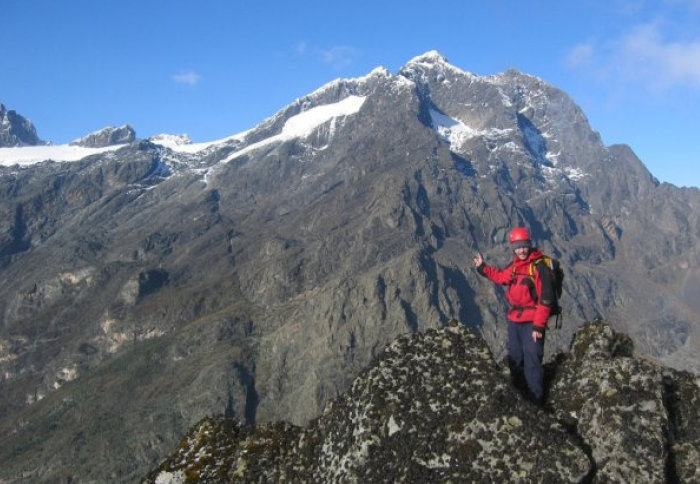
column 456, row 132
column 575, row 173
column 555, row 174
column 169, row 140
column 182, row 143
column 304, row 123
column 30, row 155
column 450, row 129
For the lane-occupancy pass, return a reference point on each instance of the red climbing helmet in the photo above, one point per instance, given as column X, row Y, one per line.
column 519, row 234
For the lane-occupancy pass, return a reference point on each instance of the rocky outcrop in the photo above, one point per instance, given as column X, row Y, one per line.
column 682, row 402
column 16, row 130
column 108, row 136
column 433, row 407
column 436, row 407
column 638, row 419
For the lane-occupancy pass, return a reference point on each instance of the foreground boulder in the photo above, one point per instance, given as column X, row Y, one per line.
column 640, row 421
column 683, row 404
column 433, row 407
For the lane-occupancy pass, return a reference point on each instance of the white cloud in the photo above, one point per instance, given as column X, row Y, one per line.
column 190, row 78
column 643, row 56
column 663, row 63
column 339, row 56
column 581, row 55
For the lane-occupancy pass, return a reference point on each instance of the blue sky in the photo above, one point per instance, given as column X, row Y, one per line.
column 214, row 68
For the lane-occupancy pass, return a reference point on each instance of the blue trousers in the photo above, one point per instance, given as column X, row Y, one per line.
column 525, row 359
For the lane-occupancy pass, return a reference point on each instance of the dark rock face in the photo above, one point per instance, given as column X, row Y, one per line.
column 145, row 288
column 433, row 407
column 16, row 130
column 108, row 136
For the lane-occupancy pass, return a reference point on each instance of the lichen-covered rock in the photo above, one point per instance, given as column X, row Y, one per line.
column 222, row 450
column 683, row 404
column 616, row 404
column 433, row 407
column 597, row 341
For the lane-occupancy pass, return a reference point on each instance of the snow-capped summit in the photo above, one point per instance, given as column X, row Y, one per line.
column 170, row 140
column 430, row 57
column 20, row 146
column 432, row 62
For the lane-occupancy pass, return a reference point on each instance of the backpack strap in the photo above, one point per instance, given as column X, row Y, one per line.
column 531, row 267
column 533, row 264
column 529, row 281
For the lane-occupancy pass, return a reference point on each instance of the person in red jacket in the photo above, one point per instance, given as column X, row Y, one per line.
column 531, row 297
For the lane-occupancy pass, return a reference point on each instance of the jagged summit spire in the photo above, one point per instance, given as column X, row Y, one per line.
column 15, row 130
column 430, row 57
column 430, row 61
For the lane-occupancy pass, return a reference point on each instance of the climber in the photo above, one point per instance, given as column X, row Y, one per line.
column 531, row 296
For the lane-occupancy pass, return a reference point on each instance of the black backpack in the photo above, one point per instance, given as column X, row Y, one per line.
column 557, row 274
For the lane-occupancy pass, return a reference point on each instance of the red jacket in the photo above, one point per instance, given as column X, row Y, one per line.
column 523, row 308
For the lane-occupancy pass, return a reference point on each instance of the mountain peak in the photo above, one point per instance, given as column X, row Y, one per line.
column 16, row 130
column 431, row 61
column 430, row 57
column 108, row 136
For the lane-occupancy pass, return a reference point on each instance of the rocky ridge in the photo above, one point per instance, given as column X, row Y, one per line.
column 108, row 136
column 437, row 407
column 15, row 130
